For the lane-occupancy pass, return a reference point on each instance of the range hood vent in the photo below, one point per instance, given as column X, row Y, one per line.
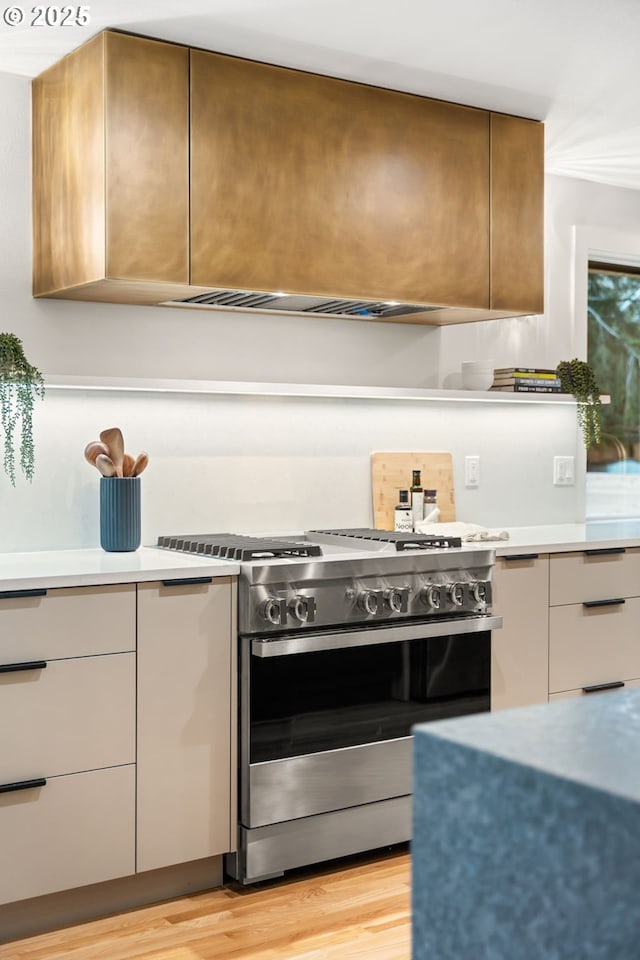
column 295, row 303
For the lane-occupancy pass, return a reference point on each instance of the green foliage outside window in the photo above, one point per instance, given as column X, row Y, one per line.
column 614, row 353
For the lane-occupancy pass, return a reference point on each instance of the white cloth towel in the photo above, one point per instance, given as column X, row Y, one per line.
column 469, row 532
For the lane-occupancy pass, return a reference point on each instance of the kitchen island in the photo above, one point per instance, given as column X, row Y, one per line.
column 526, row 840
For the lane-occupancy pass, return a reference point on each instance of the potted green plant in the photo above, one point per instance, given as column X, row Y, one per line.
column 577, row 378
column 20, row 384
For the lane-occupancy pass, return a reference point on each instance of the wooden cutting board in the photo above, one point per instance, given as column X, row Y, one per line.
column 391, row 472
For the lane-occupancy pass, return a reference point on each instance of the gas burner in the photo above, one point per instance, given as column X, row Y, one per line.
column 402, row 541
column 230, row 546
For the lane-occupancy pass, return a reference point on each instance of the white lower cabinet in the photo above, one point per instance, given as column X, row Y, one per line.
column 520, row 649
column 67, row 738
column 74, row 830
column 115, row 761
column 570, row 625
column 186, row 722
column 595, row 610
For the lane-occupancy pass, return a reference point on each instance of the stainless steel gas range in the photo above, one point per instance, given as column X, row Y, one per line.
column 347, row 638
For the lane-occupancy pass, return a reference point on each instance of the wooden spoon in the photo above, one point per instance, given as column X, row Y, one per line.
column 105, row 465
column 92, row 450
column 141, row 461
column 127, row 465
column 113, row 439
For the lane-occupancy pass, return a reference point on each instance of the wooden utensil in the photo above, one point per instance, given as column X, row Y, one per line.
column 105, row 465
column 141, row 462
column 113, row 439
column 92, row 450
column 127, row 465
column 391, row 472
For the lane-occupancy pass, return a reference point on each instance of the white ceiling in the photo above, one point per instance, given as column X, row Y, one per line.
column 572, row 63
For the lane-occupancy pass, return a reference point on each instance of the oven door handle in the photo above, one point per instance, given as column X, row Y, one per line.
column 314, row 642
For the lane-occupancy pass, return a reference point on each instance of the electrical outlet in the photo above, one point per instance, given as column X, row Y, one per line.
column 472, row 471
column 564, row 471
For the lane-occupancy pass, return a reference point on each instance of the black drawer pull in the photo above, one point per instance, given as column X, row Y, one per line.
column 18, row 594
column 186, row 581
column 603, row 686
column 522, row 556
column 17, row 667
column 603, row 603
column 22, row 785
column 604, row 552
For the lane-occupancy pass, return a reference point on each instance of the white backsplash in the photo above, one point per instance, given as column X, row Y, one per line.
column 252, row 464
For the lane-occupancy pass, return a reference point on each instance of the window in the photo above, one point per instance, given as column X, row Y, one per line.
column 613, row 330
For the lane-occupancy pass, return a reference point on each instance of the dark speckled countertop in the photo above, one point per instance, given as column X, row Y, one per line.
column 591, row 740
column 526, row 841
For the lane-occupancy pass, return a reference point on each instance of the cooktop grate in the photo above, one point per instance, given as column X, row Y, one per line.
column 402, row 541
column 231, row 546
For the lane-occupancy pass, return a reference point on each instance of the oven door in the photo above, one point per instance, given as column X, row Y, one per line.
column 326, row 716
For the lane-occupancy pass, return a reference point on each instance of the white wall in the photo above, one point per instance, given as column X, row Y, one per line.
column 251, row 464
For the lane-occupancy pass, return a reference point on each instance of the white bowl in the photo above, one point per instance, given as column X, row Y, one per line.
column 477, row 374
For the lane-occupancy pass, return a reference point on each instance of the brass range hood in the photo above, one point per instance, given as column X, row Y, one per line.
column 181, row 177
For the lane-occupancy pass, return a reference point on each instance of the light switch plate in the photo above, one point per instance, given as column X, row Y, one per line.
column 564, row 471
column 472, row 471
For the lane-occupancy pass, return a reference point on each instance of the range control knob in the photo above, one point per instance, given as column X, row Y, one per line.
column 479, row 591
column 397, row 599
column 455, row 592
column 274, row 611
column 369, row 601
column 431, row 596
column 303, row 609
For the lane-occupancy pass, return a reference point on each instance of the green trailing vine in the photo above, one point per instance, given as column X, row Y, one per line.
column 577, row 377
column 20, row 384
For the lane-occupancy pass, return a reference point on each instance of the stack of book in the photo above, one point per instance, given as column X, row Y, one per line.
column 526, row 380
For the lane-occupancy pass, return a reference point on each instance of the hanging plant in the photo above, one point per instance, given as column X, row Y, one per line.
column 20, row 384
column 577, row 377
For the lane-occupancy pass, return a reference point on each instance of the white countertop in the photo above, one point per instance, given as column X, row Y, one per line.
column 561, row 537
column 76, row 568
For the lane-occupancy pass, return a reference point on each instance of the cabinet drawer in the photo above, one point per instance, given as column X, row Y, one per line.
column 73, row 831
column 576, row 577
column 74, row 622
column 572, row 694
column 590, row 645
column 72, row 715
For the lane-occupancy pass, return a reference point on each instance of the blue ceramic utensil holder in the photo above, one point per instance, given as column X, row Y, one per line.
column 120, row 514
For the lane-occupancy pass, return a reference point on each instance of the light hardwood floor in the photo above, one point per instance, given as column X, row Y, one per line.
column 355, row 910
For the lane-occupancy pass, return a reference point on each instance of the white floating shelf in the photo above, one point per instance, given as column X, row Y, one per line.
column 306, row 390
